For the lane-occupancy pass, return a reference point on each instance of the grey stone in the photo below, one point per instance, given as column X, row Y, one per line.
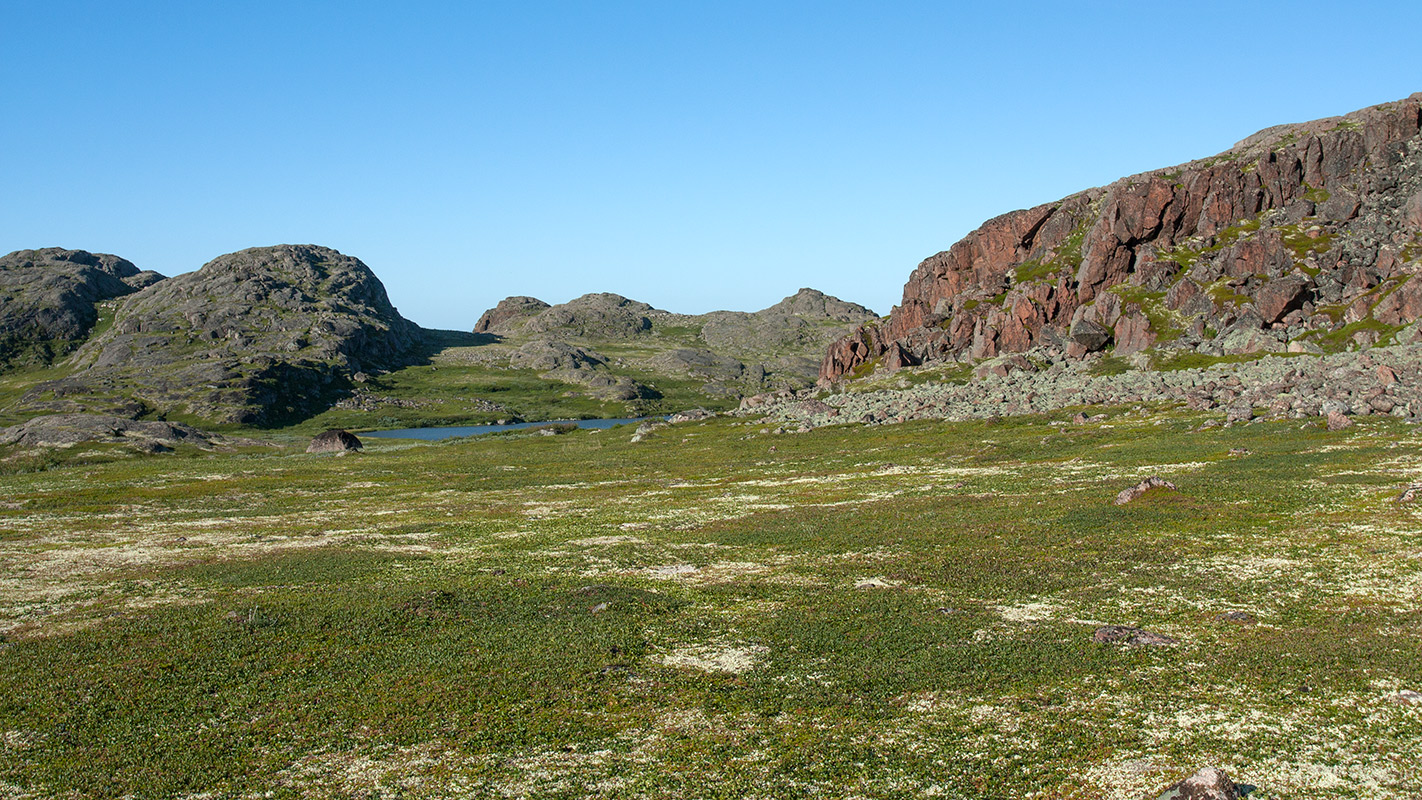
column 334, row 441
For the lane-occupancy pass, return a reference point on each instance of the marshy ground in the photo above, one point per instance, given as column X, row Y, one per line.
column 853, row 612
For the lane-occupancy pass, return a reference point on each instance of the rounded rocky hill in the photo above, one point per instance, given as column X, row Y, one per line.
column 49, row 297
column 1302, row 237
column 248, row 337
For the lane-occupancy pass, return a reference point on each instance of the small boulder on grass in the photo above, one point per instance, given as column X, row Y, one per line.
column 1406, row 697
column 1209, row 783
column 1338, row 421
column 334, row 441
column 1129, row 635
column 1135, row 492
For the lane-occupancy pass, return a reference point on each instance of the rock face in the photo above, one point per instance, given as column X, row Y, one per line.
column 335, row 441
column 1289, row 237
column 247, row 338
column 49, row 297
column 67, row 430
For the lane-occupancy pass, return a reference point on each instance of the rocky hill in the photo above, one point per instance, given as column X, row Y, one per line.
column 49, row 300
column 1300, row 238
column 619, row 348
column 248, row 338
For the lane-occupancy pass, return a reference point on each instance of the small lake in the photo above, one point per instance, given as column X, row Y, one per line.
column 431, row 434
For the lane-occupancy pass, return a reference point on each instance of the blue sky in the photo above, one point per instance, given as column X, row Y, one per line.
column 692, row 155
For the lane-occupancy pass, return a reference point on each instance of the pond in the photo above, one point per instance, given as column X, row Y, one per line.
column 430, row 434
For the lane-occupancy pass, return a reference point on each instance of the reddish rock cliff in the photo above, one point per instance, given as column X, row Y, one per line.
column 1282, row 234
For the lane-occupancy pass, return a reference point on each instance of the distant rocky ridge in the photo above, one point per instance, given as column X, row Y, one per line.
column 249, row 336
column 49, row 297
column 605, row 342
column 1302, row 237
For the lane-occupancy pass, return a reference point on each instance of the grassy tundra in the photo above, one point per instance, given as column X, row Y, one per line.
column 882, row 612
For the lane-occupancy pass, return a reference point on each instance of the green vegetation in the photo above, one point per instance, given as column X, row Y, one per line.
column 1035, row 270
column 1340, row 339
column 1187, row 253
column 1164, row 321
column 1181, row 359
column 1223, row 293
column 950, row 373
column 1111, row 365
column 871, row 612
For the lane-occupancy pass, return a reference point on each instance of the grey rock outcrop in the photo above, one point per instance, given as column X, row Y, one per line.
column 601, row 316
column 49, row 297
column 509, row 310
column 248, row 338
column 734, row 353
column 68, row 430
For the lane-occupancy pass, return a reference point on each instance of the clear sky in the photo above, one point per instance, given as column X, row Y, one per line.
column 694, row 155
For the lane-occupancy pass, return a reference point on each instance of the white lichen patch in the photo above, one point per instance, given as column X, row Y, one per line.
column 1030, row 612
column 732, row 658
column 666, row 571
column 597, row 541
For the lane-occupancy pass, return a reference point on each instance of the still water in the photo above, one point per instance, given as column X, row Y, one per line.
column 474, row 430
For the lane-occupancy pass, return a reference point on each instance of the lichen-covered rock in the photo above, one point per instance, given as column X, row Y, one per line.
column 68, row 430
column 48, row 300
column 334, row 441
column 735, row 353
column 510, row 309
column 248, row 338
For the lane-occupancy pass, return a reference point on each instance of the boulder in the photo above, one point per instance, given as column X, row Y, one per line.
column 690, row 415
column 1337, row 421
column 1340, row 207
column 1090, row 335
column 1209, row 783
column 1405, row 697
column 1412, row 211
column 334, row 441
column 1278, row 297
column 1135, row 492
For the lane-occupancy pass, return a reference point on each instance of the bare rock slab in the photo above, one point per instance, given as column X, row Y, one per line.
column 1132, row 636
